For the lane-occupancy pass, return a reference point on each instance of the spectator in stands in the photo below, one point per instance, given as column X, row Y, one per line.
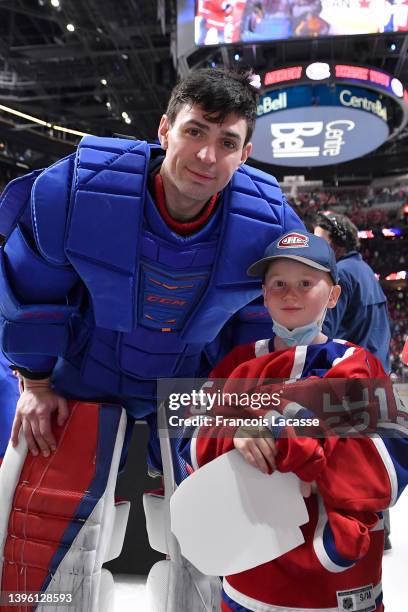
column 398, row 308
column 361, row 314
column 386, row 255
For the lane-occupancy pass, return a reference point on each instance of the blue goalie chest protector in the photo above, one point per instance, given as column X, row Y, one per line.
column 157, row 298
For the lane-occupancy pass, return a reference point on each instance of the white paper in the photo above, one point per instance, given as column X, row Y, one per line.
column 229, row 517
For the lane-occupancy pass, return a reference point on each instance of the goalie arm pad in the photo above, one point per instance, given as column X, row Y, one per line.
column 32, row 278
column 38, row 304
column 40, row 292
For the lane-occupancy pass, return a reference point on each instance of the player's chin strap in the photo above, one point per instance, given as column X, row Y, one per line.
column 174, row 584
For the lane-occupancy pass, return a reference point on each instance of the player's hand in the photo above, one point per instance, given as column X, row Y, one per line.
column 257, row 446
column 33, row 414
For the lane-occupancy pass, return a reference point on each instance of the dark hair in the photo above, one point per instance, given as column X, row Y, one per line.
column 341, row 229
column 219, row 93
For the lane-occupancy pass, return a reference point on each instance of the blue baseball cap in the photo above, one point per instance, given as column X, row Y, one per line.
column 301, row 246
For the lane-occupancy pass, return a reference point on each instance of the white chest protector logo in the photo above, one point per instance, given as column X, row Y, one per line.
column 294, row 240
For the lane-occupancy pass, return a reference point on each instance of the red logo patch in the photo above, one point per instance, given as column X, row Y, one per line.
column 293, row 241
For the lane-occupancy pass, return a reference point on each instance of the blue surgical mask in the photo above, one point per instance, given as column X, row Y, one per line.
column 298, row 336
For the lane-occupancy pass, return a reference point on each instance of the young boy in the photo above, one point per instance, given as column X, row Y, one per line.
column 339, row 565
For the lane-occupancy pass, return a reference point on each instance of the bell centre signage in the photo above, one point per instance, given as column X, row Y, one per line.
column 352, row 97
column 318, row 126
column 317, row 136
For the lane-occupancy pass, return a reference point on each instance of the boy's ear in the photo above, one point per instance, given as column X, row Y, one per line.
column 264, row 295
column 334, row 296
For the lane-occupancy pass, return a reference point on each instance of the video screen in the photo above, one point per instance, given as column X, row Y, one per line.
column 232, row 21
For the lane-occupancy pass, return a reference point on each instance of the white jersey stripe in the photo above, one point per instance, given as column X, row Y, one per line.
column 346, row 355
column 193, row 450
column 291, row 410
column 298, row 362
column 383, row 452
column 318, row 544
column 262, row 347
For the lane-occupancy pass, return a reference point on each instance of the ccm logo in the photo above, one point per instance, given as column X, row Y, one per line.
column 163, row 300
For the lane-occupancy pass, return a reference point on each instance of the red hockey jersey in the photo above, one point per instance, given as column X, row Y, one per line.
column 339, row 565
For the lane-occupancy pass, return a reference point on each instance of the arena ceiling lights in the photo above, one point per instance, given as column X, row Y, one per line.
column 38, row 121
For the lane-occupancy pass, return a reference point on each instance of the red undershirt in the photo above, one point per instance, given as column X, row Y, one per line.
column 183, row 228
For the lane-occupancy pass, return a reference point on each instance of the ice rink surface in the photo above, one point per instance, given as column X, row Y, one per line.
column 130, row 590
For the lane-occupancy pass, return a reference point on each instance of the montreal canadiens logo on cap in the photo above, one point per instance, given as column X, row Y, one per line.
column 294, row 240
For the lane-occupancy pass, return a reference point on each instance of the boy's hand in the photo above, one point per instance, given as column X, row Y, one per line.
column 257, row 446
